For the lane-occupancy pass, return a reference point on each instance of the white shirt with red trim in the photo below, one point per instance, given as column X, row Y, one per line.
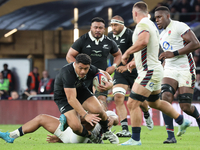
column 171, row 40
column 147, row 58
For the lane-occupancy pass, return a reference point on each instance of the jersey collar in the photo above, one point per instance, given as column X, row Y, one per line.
column 94, row 39
column 120, row 35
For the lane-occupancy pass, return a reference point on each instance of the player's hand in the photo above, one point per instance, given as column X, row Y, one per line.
column 107, row 86
column 125, row 58
column 110, row 69
column 165, row 55
column 110, row 122
column 131, row 66
column 53, row 139
column 121, row 69
column 92, row 119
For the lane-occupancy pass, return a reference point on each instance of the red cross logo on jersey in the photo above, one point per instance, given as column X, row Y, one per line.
column 187, row 82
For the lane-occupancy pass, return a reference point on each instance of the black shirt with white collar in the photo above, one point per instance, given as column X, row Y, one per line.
column 97, row 50
column 124, row 41
column 67, row 78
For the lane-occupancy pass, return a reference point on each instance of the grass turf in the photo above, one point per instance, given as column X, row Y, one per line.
column 151, row 140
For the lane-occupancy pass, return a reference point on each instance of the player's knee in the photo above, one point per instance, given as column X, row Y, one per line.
column 185, row 98
column 167, row 92
column 76, row 127
column 119, row 99
column 39, row 118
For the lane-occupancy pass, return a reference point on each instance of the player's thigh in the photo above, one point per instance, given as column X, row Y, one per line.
column 171, row 82
column 72, row 119
column 119, row 91
column 187, row 78
column 93, row 105
column 50, row 123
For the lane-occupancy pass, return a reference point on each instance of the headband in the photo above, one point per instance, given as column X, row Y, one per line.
column 117, row 21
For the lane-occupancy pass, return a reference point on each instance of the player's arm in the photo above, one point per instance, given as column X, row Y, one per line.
column 117, row 59
column 113, row 121
column 142, row 41
column 71, row 55
column 108, row 85
column 71, row 97
column 192, row 43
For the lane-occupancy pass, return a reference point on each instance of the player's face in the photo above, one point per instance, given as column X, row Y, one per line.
column 162, row 19
column 81, row 69
column 116, row 28
column 97, row 29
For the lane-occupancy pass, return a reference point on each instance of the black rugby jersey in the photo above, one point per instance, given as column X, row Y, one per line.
column 98, row 52
column 123, row 43
column 67, row 78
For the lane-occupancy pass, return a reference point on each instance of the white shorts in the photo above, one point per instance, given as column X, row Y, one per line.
column 68, row 136
column 151, row 79
column 183, row 77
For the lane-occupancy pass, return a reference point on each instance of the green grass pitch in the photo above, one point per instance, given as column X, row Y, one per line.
column 151, row 140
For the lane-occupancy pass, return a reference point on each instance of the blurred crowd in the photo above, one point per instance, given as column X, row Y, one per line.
column 37, row 88
column 182, row 10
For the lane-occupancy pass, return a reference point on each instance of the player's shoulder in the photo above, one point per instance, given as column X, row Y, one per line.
column 108, row 39
column 110, row 34
column 179, row 24
column 84, row 36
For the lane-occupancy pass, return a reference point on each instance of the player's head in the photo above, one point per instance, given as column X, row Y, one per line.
column 82, row 65
column 139, row 8
column 162, row 16
column 5, row 66
column 97, row 27
column 117, row 24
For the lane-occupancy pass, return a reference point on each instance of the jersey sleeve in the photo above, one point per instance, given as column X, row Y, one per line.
column 182, row 28
column 142, row 27
column 110, row 113
column 68, row 79
column 77, row 45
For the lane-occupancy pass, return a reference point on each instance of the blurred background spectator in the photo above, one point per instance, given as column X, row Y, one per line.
column 7, row 74
column 4, row 87
column 33, row 80
column 196, row 95
column 46, row 85
column 14, row 96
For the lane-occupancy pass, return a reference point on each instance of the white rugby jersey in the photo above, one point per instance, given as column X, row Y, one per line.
column 147, row 58
column 171, row 40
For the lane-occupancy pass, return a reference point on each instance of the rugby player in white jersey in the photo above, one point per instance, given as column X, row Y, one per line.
column 177, row 41
column 147, row 86
column 52, row 124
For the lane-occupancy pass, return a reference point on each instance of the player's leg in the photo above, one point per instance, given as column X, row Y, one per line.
column 138, row 94
column 185, row 98
column 119, row 91
column 186, row 90
column 93, row 105
column 168, row 89
column 167, row 109
column 50, row 123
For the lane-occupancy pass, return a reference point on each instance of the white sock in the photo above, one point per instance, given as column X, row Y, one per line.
column 15, row 134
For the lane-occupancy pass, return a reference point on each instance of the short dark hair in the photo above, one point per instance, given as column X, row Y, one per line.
column 163, row 8
column 5, row 65
column 83, row 58
column 142, row 6
column 98, row 19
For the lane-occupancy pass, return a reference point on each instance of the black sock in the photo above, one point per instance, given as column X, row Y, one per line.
column 136, row 133
column 20, row 131
column 196, row 115
column 85, row 132
column 179, row 120
column 169, row 126
column 124, row 124
column 104, row 125
column 146, row 114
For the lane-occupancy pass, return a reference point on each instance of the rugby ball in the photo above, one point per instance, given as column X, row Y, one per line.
column 98, row 79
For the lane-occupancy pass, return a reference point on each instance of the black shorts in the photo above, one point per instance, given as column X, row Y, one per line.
column 126, row 78
column 82, row 95
column 97, row 93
